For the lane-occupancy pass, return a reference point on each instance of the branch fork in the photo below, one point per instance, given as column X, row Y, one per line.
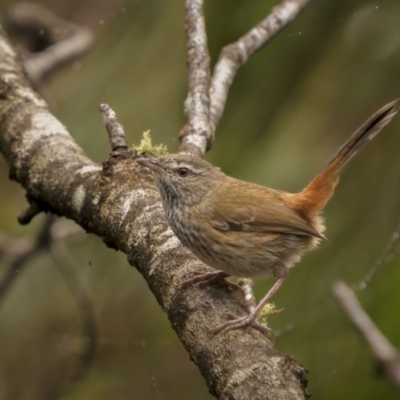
column 121, row 205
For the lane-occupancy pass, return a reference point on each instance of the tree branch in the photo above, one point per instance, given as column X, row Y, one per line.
column 204, row 106
column 26, row 216
column 119, row 202
column 62, row 40
column 68, row 267
column 196, row 136
column 115, row 130
column 386, row 354
column 16, row 253
column 234, row 55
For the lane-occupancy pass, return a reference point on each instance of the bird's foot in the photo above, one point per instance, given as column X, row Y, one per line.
column 250, row 320
column 211, row 277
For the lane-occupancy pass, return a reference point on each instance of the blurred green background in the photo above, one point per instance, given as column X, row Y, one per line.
column 289, row 109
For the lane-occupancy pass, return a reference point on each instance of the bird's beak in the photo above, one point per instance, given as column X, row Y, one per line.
column 151, row 163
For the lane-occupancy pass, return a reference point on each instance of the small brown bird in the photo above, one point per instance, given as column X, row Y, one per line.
column 246, row 230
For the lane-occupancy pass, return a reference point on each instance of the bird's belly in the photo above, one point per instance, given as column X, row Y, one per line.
column 236, row 262
column 241, row 254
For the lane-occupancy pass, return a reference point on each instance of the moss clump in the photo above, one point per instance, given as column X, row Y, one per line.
column 146, row 148
column 268, row 310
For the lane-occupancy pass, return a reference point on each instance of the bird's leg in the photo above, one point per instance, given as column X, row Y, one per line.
column 212, row 277
column 251, row 320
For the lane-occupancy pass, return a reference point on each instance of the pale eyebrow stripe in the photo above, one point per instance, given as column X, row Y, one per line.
column 189, row 167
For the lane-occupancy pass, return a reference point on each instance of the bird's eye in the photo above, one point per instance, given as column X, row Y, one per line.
column 182, row 172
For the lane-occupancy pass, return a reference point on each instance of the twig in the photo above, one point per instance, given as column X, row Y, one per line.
column 234, row 55
column 196, row 136
column 63, row 41
column 16, row 253
column 386, row 354
column 67, row 266
column 114, row 129
column 23, row 251
column 40, row 65
column 204, row 107
column 25, row 217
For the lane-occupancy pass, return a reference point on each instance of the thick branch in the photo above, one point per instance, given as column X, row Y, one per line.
column 234, row 55
column 385, row 353
column 120, row 203
column 196, row 136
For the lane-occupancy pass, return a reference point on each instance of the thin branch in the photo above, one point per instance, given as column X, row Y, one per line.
column 41, row 64
column 26, row 216
column 15, row 254
column 19, row 252
column 385, row 353
column 63, row 41
column 234, row 55
column 68, row 267
column 114, row 129
column 196, row 136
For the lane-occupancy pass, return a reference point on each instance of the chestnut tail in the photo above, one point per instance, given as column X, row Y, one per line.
column 314, row 197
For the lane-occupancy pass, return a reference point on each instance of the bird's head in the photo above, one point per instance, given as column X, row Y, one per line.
column 182, row 177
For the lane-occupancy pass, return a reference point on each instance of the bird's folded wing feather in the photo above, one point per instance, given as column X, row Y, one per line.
column 252, row 214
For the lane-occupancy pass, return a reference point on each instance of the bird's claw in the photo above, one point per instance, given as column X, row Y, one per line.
column 210, row 277
column 200, row 278
column 251, row 320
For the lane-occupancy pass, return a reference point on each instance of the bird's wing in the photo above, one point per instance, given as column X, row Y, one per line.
column 247, row 211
